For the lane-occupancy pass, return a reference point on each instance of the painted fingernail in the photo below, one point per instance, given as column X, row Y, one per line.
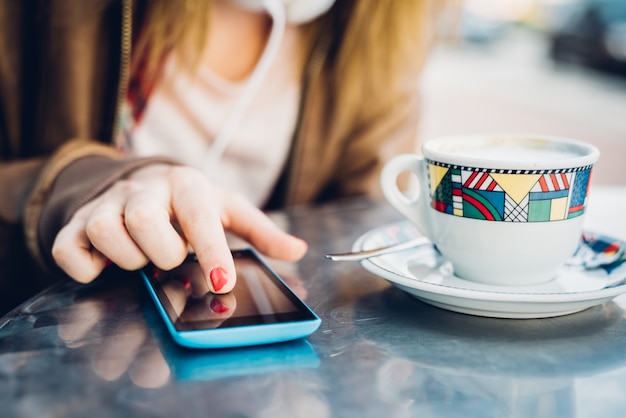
column 219, row 277
column 218, row 307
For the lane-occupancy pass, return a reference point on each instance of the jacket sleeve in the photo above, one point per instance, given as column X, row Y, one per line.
column 74, row 175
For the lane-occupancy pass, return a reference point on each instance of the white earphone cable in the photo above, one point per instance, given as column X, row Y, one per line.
column 276, row 10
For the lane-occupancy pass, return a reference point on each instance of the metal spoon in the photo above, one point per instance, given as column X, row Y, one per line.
column 362, row 255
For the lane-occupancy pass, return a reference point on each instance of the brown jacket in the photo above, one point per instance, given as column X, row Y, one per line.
column 63, row 76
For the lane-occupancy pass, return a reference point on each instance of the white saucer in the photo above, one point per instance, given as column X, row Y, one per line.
column 427, row 275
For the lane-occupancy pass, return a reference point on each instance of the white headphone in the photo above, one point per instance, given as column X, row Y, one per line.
column 296, row 11
column 281, row 12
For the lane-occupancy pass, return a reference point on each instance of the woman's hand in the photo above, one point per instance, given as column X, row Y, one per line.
column 154, row 214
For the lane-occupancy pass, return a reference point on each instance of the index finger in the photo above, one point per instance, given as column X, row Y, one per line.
column 199, row 217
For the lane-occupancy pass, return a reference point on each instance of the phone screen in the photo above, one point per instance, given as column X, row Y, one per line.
column 259, row 297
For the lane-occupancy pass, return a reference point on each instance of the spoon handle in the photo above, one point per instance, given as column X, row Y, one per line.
column 362, row 255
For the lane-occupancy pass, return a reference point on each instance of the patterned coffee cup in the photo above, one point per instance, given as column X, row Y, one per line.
column 505, row 209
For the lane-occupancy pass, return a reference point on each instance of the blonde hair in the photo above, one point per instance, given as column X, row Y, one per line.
column 165, row 27
column 380, row 46
column 374, row 44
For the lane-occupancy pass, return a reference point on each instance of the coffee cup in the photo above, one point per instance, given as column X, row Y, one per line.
column 504, row 209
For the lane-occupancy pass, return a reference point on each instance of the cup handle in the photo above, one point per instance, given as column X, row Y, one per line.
column 416, row 208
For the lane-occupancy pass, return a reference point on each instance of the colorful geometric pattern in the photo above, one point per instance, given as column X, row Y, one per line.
column 509, row 195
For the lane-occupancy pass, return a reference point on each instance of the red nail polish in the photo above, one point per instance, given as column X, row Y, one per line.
column 218, row 307
column 219, row 277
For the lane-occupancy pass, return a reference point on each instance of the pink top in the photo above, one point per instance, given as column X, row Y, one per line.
column 185, row 115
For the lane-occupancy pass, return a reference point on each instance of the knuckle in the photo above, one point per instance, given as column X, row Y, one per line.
column 127, row 187
column 63, row 256
column 141, row 217
column 179, row 174
column 188, row 177
column 101, row 224
column 61, row 253
column 68, row 257
column 194, row 216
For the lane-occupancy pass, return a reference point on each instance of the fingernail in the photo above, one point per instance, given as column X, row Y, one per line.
column 219, row 277
column 218, row 307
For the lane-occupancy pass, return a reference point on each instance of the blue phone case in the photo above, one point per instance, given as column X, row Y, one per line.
column 245, row 335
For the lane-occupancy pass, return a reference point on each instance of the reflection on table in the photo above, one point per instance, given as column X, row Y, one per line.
column 101, row 350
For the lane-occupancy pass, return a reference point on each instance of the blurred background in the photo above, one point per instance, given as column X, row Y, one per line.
column 542, row 66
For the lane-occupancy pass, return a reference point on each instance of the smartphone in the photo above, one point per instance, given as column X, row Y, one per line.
column 261, row 309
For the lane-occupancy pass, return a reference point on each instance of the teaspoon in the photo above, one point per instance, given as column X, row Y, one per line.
column 363, row 254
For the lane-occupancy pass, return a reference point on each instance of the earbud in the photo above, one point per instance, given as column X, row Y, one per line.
column 296, row 11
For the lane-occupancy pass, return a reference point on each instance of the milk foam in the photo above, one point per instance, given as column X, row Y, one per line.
column 513, row 150
column 518, row 154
